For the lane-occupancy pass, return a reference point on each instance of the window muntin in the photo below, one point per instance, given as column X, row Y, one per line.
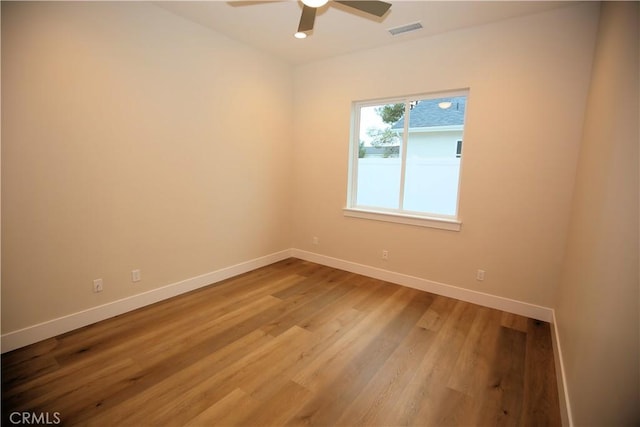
column 412, row 166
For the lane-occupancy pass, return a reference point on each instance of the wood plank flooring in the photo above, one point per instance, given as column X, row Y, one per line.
column 294, row 343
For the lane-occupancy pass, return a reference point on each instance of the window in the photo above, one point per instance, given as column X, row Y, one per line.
column 406, row 157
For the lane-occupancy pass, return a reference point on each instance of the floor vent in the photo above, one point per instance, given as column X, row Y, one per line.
column 405, row 28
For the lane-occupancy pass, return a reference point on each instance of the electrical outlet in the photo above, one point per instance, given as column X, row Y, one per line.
column 480, row 275
column 315, row 240
column 385, row 254
column 136, row 276
column 97, row 285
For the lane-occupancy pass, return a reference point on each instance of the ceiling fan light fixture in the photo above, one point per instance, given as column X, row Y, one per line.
column 315, row 3
column 300, row 35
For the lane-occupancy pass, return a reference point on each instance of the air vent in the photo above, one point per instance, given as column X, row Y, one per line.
column 405, row 28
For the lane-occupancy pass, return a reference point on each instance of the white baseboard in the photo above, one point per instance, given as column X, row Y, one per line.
column 487, row 300
column 561, row 379
column 51, row 328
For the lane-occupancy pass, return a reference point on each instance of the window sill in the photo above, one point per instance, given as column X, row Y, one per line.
column 420, row 221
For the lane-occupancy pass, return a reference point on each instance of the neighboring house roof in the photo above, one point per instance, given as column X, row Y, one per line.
column 427, row 113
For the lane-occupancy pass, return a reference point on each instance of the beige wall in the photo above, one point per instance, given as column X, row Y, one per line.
column 598, row 300
column 528, row 80
column 132, row 138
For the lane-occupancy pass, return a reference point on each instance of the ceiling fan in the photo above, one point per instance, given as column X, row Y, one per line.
column 308, row 17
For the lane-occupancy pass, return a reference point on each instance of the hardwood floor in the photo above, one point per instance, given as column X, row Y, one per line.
column 293, row 343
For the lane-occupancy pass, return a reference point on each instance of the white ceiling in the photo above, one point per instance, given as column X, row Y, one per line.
column 269, row 25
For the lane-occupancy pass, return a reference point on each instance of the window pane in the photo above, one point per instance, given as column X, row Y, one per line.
column 432, row 165
column 379, row 164
column 413, row 173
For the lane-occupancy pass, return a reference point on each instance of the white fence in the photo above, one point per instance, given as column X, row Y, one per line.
column 431, row 185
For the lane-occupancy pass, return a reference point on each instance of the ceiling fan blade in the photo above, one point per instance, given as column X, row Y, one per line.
column 307, row 19
column 377, row 8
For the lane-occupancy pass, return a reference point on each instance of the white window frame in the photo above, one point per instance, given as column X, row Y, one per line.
column 401, row 216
